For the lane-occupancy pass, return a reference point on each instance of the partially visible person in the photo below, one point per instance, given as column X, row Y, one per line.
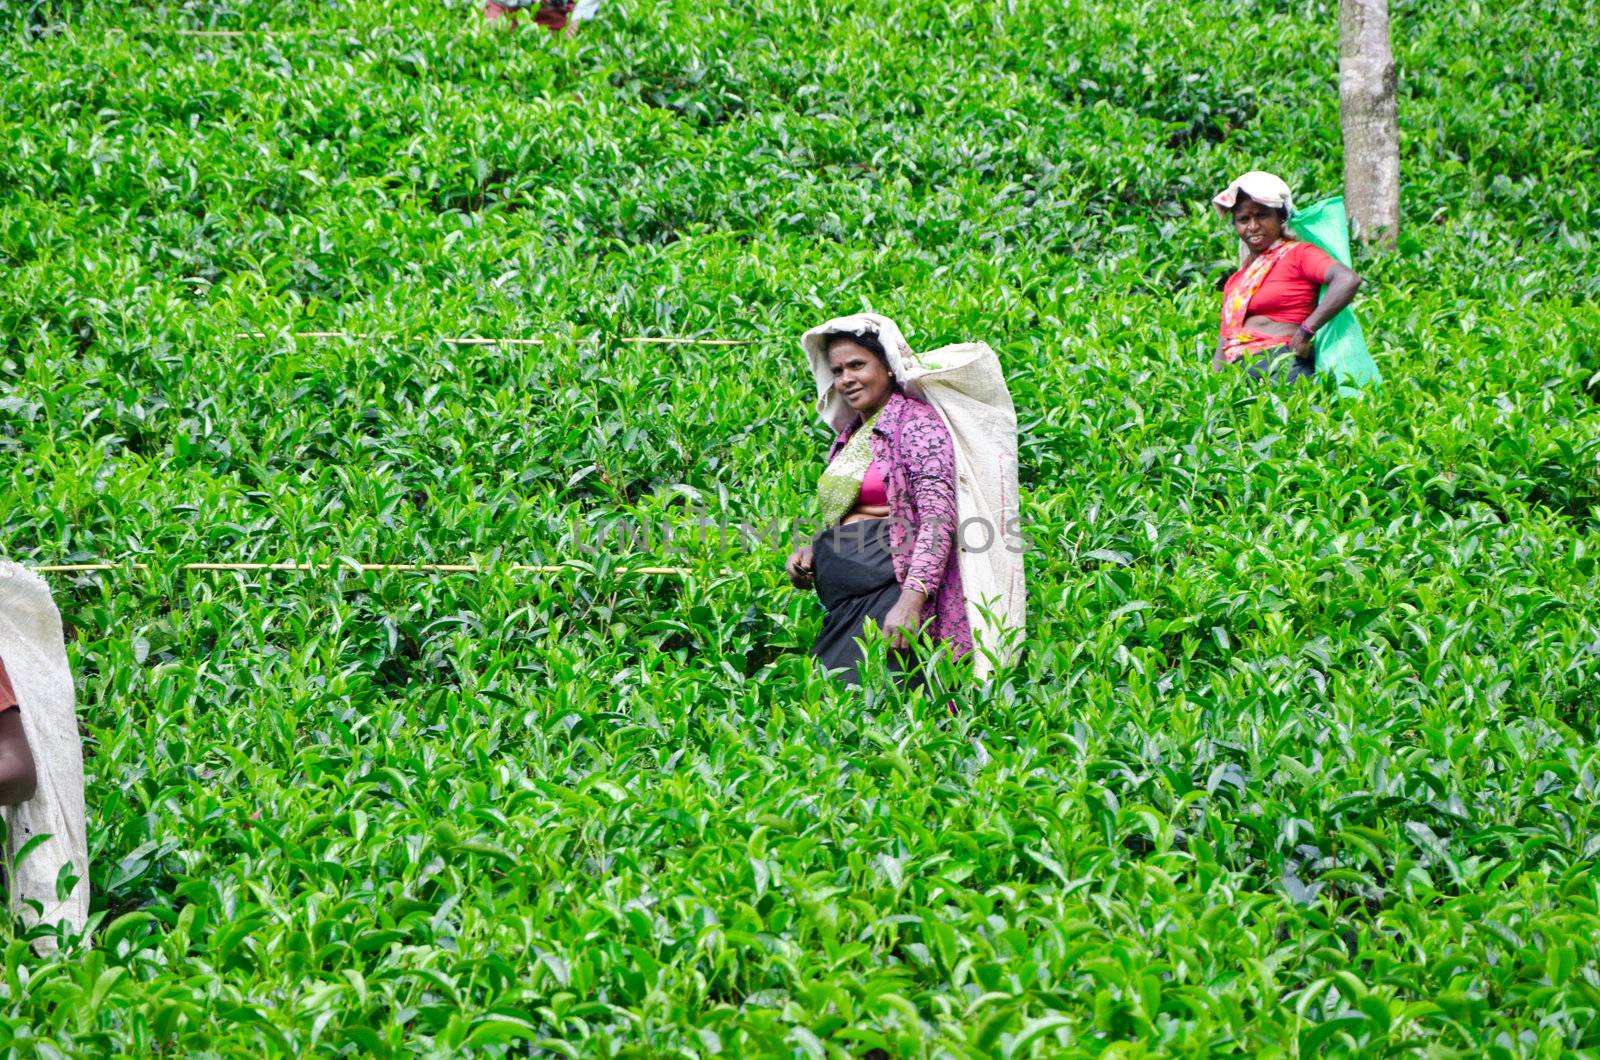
column 43, row 764
column 1270, row 312
column 551, row 14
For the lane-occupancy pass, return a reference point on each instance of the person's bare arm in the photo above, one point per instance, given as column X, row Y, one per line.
column 18, row 777
column 1342, row 287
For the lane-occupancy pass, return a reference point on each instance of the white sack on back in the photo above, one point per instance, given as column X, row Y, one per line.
column 36, row 659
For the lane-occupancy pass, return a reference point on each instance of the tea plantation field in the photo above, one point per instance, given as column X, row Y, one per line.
column 1300, row 758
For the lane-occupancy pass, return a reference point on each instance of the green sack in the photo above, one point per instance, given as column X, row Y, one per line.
column 1340, row 347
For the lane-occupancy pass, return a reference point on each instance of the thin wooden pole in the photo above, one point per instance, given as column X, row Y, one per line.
column 466, row 341
column 163, row 31
column 166, row 31
column 646, row 340
column 650, row 341
column 421, row 568
column 239, row 33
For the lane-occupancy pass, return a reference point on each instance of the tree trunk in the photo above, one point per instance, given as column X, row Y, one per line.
column 1367, row 114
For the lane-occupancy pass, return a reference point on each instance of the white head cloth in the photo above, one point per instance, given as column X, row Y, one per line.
column 1264, row 188
column 36, row 659
column 964, row 384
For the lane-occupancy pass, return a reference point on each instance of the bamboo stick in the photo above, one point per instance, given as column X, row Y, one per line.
column 157, row 31
column 464, row 341
column 244, row 32
column 647, row 340
column 422, row 568
column 669, row 341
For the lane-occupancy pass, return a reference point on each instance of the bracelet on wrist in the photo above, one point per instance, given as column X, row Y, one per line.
column 1309, row 333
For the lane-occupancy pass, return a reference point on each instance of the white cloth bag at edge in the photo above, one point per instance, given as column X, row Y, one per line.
column 36, row 658
column 964, row 384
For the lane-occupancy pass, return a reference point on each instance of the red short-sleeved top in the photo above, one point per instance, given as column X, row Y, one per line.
column 1289, row 293
column 8, row 697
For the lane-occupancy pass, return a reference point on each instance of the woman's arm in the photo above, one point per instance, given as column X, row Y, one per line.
column 18, row 777
column 930, row 459
column 930, row 462
column 1342, row 287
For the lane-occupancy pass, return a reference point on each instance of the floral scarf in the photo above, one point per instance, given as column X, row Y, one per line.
column 1237, row 340
column 840, row 484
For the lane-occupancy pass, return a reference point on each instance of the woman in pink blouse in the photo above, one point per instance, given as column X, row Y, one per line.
column 888, row 501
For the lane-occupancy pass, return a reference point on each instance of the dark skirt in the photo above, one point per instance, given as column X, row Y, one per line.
column 855, row 581
column 1279, row 365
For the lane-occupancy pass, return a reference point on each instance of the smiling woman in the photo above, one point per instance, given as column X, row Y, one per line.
column 869, row 562
column 921, row 523
column 1270, row 310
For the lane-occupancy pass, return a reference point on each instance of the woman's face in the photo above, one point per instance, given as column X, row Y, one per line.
column 860, row 377
column 1259, row 226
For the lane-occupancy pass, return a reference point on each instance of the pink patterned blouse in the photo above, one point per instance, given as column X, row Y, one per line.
column 8, row 698
column 911, row 439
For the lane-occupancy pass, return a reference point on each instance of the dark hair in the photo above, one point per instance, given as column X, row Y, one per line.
column 1244, row 197
column 866, row 340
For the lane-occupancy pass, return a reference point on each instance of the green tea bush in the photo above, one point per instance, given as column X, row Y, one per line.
column 1300, row 757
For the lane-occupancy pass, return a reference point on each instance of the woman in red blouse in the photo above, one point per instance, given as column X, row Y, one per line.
column 1270, row 311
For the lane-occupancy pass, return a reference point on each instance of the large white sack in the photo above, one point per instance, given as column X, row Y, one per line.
column 36, row 659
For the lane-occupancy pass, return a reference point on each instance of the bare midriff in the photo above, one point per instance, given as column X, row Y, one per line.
column 867, row 511
column 1267, row 326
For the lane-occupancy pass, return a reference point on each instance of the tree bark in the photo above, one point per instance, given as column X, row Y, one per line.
column 1368, row 116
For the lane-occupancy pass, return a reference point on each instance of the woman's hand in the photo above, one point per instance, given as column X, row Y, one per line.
column 904, row 619
column 19, row 779
column 1342, row 287
column 802, row 572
